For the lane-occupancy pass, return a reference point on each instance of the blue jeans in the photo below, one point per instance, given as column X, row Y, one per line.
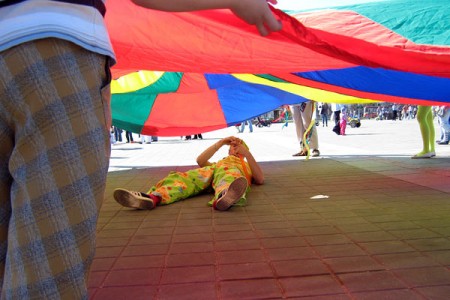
column 324, row 120
column 250, row 126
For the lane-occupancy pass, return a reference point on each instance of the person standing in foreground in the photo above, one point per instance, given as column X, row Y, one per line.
column 230, row 178
column 54, row 128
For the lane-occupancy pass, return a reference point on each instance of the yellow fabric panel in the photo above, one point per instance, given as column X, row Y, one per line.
column 304, row 91
column 134, row 81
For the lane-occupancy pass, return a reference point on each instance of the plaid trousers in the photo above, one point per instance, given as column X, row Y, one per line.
column 54, row 156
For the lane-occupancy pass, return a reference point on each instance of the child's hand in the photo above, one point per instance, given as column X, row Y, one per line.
column 257, row 12
column 242, row 150
column 231, row 140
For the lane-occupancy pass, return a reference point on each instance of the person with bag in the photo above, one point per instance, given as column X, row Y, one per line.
column 336, row 108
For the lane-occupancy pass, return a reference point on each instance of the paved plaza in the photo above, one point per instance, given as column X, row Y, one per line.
column 362, row 221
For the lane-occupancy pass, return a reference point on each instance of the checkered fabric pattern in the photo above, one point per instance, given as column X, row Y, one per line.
column 54, row 156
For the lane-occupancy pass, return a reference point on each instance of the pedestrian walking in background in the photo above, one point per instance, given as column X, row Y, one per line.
column 324, row 111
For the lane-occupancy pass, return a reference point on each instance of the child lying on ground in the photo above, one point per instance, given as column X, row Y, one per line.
column 230, row 179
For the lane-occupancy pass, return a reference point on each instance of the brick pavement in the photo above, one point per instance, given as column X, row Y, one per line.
column 363, row 221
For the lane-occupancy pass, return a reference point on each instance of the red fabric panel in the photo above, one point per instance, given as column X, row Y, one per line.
column 218, row 42
column 202, row 42
column 198, row 111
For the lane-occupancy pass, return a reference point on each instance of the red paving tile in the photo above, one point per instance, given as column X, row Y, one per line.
column 389, row 295
column 240, row 257
column 188, row 291
column 133, row 277
column 126, row 292
column 370, row 281
column 328, row 251
column 190, row 259
column 406, row 260
column 245, row 271
column 291, row 253
column 424, row 276
column 250, row 289
column 434, row 292
column 191, row 247
column 188, row 274
column 353, row 264
column 312, row 286
column 138, row 262
column 304, row 267
column 242, row 245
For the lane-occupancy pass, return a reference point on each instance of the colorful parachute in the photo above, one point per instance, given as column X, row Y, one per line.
column 185, row 73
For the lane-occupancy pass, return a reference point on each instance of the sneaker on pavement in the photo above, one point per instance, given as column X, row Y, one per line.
column 424, row 155
column 301, row 153
column 134, row 199
column 234, row 193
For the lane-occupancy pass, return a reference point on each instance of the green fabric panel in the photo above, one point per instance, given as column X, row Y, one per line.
column 420, row 21
column 271, row 78
column 130, row 111
column 167, row 83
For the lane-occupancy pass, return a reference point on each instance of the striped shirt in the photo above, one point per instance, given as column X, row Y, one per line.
column 37, row 19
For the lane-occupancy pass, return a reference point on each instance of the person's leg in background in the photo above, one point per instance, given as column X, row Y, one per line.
column 425, row 119
column 445, row 127
column 343, row 126
column 118, row 134
column 54, row 127
column 242, row 127
column 337, row 117
column 250, row 125
column 129, row 136
column 312, row 137
column 299, row 128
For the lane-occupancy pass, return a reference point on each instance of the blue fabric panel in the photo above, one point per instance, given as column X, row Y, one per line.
column 387, row 82
column 242, row 101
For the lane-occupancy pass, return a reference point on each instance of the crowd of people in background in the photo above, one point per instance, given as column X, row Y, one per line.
column 338, row 113
column 116, row 136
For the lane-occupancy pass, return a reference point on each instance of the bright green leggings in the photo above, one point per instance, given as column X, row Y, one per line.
column 425, row 119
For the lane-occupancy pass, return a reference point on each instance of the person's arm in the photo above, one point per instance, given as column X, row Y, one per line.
column 257, row 173
column 254, row 12
column 203, row 158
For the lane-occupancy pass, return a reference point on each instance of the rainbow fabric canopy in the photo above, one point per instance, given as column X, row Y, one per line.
column 186, row 73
